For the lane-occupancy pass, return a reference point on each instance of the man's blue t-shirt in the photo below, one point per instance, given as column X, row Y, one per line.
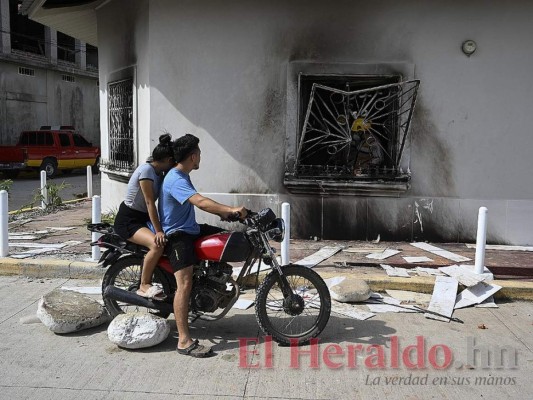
column 176, row 213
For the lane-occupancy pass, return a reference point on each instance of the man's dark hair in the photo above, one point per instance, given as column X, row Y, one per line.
column 185, row 146
column 164, row 148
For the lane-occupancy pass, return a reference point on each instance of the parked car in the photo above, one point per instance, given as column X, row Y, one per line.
column 49, row 150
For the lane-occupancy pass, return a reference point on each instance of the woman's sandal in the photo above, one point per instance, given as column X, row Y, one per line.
column 196, row 350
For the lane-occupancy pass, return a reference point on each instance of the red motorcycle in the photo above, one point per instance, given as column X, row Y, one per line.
column 292, row 302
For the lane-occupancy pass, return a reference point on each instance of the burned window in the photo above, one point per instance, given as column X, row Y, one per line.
column 66, row 48
column 26, row 35
column 353, row 127
column 120, row 105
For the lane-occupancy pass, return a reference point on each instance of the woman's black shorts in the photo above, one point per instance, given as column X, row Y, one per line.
column 128, row 221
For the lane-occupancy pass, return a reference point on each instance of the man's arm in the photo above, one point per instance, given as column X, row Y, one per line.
column 212, row 207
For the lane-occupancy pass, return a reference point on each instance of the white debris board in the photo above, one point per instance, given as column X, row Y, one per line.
column 383, row 255
column 443, row 298
column 351, row 311
column 410, row 297
column 440, row 252
column 488, row 303
column 393, row 271
column 381, row 308
column 243, row 304
column 37, row 245
column 417, row 259
column 464, row 275
column 475, row 294
column 364, row 250
column 316, row 258
column 429, row 271
column 502, row 247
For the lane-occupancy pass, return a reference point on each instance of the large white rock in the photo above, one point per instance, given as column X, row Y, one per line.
column 65, row 311
column 138, row 330
column 350, row 290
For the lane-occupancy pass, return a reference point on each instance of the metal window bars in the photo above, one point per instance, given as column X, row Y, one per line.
column 356, row 134
column 120, row 105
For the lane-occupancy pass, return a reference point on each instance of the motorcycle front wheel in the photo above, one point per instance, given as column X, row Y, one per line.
column 125, row 274
column 299, row 317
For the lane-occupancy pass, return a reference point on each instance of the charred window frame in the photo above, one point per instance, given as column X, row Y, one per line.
column 121, row 126
column 26, row 35
column 352, row 133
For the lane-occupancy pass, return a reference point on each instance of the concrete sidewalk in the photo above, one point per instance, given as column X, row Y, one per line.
column 70, row 262
column 37, row 364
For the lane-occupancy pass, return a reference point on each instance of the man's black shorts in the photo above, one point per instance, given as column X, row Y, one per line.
column 181, row 246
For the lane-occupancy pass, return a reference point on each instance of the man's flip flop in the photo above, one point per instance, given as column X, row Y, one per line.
column 196, row 350
column 154, row 293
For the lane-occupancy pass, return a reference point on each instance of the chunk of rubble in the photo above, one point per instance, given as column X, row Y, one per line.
column 65, row 312
column 350, row 290
column 138, row 330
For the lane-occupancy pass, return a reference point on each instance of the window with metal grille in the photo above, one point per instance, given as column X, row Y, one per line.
column 120, row 106
column 353, row 128
column 26, row 71
column 68, row 78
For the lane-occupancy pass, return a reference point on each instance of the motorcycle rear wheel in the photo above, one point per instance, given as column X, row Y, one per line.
column 300, row 318
column 125, row 274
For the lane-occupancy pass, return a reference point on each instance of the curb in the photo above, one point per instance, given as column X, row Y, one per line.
column 23, row 210
column 511, row 290
column 51, row 268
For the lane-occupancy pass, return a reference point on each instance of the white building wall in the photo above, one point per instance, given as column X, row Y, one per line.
column 219, row 70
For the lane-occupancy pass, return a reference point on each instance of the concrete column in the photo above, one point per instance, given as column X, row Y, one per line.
column 50, row 39
column 5, row 28
column 81, row 55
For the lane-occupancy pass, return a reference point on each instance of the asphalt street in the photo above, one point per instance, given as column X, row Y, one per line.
column 36, row 363
column 25, row 187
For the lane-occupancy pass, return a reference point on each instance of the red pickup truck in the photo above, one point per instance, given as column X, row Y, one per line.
column 49, row 150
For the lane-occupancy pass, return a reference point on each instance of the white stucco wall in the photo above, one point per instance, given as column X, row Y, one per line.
column 219, row 70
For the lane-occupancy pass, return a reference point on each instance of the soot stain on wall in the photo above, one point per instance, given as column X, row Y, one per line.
column 391, row 219
column 430, row 155
column 345, row 218
column 306, row 217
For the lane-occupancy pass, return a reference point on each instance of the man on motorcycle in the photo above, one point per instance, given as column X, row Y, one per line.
column 176, row 210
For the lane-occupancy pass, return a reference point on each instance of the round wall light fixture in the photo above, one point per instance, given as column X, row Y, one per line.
column 469, row 47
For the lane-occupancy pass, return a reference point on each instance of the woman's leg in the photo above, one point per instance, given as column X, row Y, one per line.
column 145, row 237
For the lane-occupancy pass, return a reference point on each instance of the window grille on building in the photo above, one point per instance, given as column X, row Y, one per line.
column 68, row 78
column 353, row 128
column 120, row 106
column 26, row 71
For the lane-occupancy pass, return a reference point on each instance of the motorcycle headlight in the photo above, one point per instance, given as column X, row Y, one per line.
column 276, row 230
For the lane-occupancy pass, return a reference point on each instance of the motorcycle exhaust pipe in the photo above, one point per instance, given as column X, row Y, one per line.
column 132, row 298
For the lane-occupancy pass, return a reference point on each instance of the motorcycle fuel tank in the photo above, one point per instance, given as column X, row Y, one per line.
column 224, row 247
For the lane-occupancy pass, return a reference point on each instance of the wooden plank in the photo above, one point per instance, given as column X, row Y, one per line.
column 443, row 298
